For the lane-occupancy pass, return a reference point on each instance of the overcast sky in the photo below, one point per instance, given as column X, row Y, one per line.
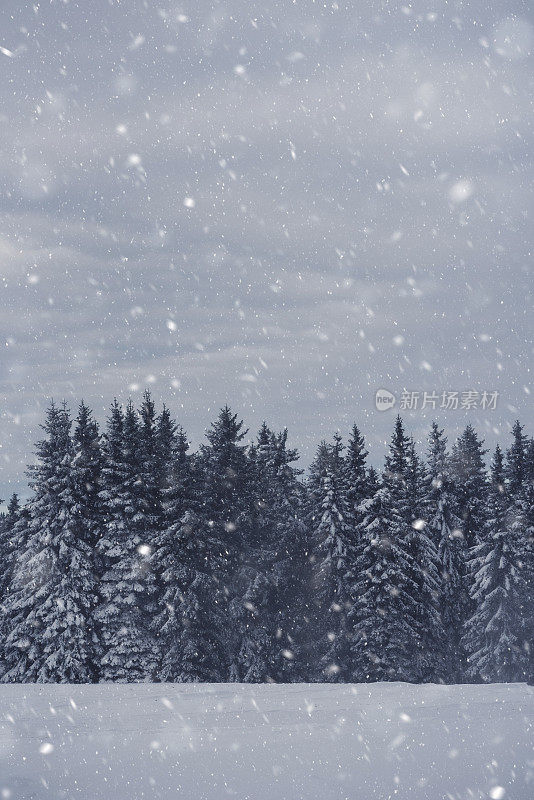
column 283, row 206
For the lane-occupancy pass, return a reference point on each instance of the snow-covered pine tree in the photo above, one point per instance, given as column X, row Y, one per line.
column 13, row 509
column 471, row 494
column 152, row 466
column 87, row 462
column 425, row 575
column 183, row 491
column 226, row 506
column 188, row 621
column 387, row 619
column 516, row 466
column 443, row 528
column 200, row 608
column 358, row 485
column 312, row 488
column 470, row 483
column 373, row 482
column 155, row 448
column 128, row 591
column 527, row 609
column 383, row 642
column 53, row 585
column 519, row 476
column 274, row 572
column 292, row 564
column 7, row 555
column 255, row 604
column 329, row 520
column 166, row 432
column 86, row 471
column 529, row 462
column 493, row 637
column 7, row 548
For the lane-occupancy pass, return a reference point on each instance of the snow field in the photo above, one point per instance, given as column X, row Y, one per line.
column 267, row 742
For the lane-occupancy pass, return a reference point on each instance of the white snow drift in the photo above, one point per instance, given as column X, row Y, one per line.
column 267, row 742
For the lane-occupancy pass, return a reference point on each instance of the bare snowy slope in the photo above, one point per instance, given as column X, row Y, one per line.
column 267, row 742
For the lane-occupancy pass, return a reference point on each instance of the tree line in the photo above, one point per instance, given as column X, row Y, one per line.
column 137, row 560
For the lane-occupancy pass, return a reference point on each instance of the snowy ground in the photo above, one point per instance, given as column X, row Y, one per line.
column 267, row 742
